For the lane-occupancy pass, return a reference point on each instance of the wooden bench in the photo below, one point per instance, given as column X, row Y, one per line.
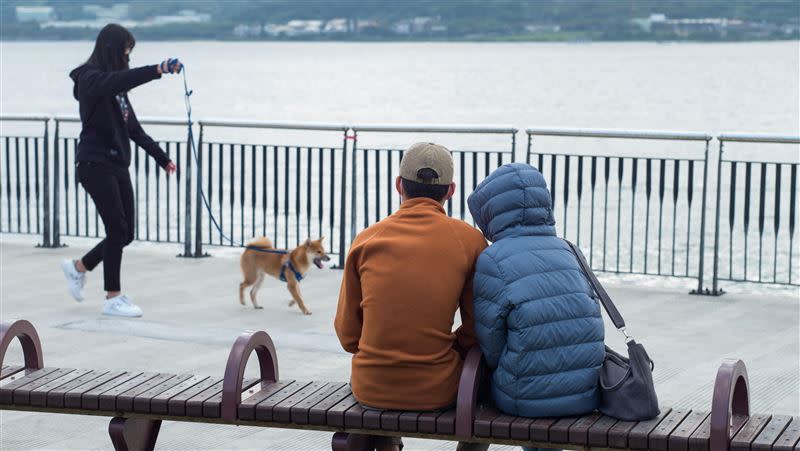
column 139, row 401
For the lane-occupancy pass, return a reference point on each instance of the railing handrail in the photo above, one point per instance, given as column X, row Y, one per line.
column 276, row 125
column 758, row 138
column 434, row 128
column 24, row 117
column 622, row 134
column 149, row 120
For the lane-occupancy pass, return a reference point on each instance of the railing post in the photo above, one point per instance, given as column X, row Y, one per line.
column 46, row 186
column 715, row 276
column 343, row 199
column 56, row 187
column 528, row 152
column 198, row 221
column 354, row 189
column 513, row 147
column 701, row 268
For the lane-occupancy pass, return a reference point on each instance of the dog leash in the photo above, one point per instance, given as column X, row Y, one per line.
column 190, row 136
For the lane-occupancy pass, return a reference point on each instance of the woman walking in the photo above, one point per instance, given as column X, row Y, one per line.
column 104, row 154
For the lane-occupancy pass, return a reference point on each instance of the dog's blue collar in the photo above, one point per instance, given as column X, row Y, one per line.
column 288, row 264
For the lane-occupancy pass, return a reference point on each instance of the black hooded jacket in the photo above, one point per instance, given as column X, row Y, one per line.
column 107, row 116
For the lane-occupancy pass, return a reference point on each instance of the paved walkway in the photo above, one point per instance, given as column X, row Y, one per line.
column 192, row 316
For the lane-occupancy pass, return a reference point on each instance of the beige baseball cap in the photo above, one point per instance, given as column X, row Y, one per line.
column 427, row 156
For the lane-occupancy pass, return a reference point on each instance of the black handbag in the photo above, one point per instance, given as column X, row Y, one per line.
column 627, row 391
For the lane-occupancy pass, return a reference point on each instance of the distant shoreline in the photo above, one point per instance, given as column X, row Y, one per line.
column 423, row 41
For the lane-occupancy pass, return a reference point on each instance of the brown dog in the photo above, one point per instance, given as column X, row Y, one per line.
column 261, row 258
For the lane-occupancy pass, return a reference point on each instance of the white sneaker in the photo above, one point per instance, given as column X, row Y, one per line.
column 121, row 306
column 75, row 279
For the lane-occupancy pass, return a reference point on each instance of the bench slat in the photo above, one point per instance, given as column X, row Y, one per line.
column 143, row 400
column 371, row 418
column 790, row 437
column 177, row 404
column 700, row 438
column 282, row 412
column 264, row 409
column 194, row 405
column 407, row 422
column 212, row 407
column 319, row 412
column 70, row 394
column 659, row 437
column 108, row 399
column 638, row 436
column 754, row 425
column 353, row 415
column 501, row 426
column 679, row 439
column 160, row 402
column 39, row 394
column 559, row 431
column 301, row 411
column 426, row 422
column 540, row 429
column 335, row 416
column 521, row 428
column 9, row 370
column 598, row 432
column 446, row 422
column 390, row 420
column 90, row 399
column 770, row 433
column 579, row 432
column 482, row 426
column 247, row 408
column 11, row 383
column 22, row 395
column 125, row 400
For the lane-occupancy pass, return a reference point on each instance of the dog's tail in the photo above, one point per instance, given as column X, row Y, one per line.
column 263, row 243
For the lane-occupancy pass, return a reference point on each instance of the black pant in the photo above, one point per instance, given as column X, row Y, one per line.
column 112, row 193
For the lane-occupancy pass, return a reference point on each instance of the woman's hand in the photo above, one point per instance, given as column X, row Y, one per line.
column 170, row 66
column 170, row 168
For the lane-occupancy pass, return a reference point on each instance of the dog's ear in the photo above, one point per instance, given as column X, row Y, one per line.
column 308, row 241
column 321, row 238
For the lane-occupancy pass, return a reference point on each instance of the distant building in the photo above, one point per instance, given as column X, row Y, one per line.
column 35, row 13
column 419, row 25
column 247, row 31
column 186, row 16
column 113, row 13
column 542, row 28
column 336, row 26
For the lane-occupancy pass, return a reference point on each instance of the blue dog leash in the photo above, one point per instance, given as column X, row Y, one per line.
column 187, row 93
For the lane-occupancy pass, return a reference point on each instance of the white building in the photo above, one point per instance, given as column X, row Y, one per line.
column 35, row 13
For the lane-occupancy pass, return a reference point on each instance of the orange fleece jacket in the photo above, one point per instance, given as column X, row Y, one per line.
column 403, row 281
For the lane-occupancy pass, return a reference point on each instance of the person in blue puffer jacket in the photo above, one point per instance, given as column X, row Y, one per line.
column 536, row 320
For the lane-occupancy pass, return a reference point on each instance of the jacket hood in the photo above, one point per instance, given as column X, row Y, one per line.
column 75, row 75
column 513, row 201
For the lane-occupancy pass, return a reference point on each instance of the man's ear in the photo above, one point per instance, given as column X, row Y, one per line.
column 398, row 184
column 450, row 191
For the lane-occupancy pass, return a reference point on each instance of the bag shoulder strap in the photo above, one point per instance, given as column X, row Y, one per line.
column 605, row 299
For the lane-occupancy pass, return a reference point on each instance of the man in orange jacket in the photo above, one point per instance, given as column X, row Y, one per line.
column 404, row 279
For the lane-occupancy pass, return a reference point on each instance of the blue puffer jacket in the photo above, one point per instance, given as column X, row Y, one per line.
column 538, row 325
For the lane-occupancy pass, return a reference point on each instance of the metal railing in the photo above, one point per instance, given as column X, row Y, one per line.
column 634, row 212
column 633, row 242
column 159, row 215
column 25, row 179
column 288, row 188
column 772, row 186
column 374, row 170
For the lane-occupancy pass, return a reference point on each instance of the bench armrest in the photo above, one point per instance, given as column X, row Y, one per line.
column 730, row 406
column 28, row 338
column 248, row 342
column 468, row 386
